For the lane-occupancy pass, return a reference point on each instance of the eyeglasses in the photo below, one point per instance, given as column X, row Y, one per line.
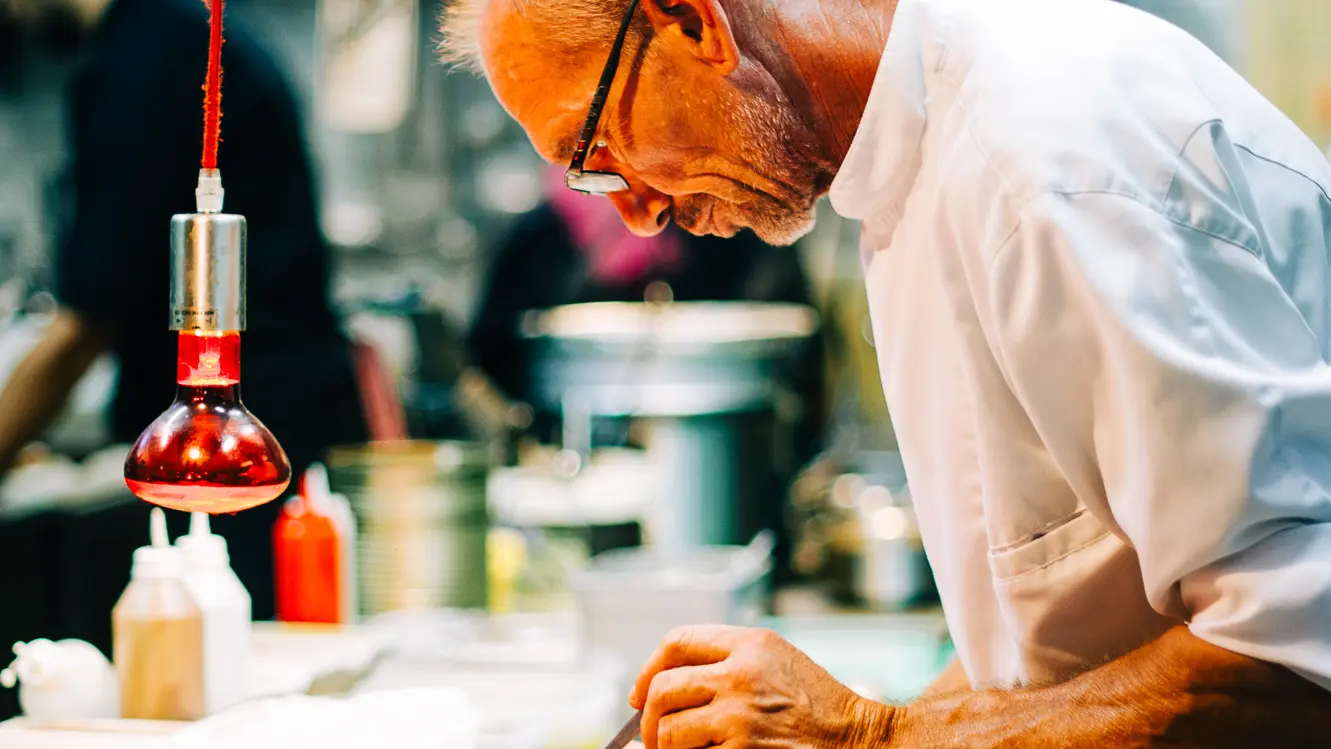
column 576, row 178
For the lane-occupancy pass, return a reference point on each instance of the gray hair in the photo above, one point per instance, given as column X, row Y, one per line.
column 574, row 26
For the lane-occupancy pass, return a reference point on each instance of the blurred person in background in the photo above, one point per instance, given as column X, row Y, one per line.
column 572, row 250
column 134, row 138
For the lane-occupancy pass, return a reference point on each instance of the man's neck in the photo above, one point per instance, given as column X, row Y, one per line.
column 828, row 58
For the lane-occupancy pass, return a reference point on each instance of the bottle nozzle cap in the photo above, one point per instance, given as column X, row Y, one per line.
column 198, row 524
column 316, row 482
column 157, row 529
column 201, row 546
column 158, row 558
column 35, row 663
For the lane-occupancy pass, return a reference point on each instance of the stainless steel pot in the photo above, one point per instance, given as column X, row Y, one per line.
column 686, row 368
column 676, row 359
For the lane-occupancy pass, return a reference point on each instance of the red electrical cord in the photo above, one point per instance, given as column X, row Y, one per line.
column 212, row 98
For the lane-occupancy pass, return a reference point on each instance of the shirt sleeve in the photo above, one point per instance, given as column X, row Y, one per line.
column 1187, row 398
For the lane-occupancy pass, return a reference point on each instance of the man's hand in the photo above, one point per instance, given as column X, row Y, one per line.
column 740, row 688
column 747, row 688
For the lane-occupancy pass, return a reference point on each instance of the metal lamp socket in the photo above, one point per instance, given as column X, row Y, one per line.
column 208, row 272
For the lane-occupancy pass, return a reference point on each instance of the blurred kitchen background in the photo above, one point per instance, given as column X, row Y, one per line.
column 676, row 426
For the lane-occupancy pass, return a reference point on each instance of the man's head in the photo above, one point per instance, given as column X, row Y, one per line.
column 699, row 122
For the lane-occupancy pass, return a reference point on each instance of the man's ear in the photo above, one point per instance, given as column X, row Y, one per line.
column 698, row 27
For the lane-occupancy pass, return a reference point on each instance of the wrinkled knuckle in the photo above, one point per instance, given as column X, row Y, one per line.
column 672, row 650
column 743, row 676
column 662, row 684
column 677, row 642
column 653, row 696
column 668, row 735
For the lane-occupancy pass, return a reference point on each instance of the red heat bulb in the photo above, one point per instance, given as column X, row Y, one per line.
column 207, row 452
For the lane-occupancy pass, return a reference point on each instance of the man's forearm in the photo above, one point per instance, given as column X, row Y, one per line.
column 39, row 385
column 1177, row 691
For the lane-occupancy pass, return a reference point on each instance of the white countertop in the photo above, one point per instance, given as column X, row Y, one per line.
column 285, row 659
column 20, row 733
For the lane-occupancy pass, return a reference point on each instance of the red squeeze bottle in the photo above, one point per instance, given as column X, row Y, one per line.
column 307, row 561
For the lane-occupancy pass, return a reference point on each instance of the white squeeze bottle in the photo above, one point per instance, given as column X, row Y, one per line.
column 226, row 614
column 63, row 682
column 338, row 509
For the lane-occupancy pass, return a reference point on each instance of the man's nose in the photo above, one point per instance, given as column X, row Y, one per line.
column 644, row 210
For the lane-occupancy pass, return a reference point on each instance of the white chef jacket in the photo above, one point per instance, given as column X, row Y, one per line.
column 1216, row 23
column 1097, row 268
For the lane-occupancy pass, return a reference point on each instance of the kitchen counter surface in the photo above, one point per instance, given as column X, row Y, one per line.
column 21, row 733
column 888, row 656
column 286, row 659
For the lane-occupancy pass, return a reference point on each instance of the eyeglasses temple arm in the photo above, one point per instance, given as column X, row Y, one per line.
column 602, row 91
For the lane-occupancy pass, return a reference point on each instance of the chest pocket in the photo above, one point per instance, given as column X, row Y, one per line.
column 1071, row 596
column 1056, row 541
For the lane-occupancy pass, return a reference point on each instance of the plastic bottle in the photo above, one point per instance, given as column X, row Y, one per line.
column 62, row 682
column 344, row 520
column 314, row 554
column 226, row 614
column 158, row 633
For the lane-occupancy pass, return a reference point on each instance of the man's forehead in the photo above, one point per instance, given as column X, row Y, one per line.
column 547, row 95
column 550, row 108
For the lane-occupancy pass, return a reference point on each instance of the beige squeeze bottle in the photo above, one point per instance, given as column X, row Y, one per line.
column 158, row 636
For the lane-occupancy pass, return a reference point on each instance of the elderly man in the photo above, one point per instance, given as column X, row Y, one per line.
column 1097, row 261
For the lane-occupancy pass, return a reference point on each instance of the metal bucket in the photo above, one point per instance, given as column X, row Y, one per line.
column 422, row 524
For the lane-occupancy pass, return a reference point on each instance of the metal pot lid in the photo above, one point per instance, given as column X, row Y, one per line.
column 686, row 324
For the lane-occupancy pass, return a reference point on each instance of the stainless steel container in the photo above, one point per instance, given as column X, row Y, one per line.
column 631, row 598
column 856, row 530
column 421, row 511
column 881, row 554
